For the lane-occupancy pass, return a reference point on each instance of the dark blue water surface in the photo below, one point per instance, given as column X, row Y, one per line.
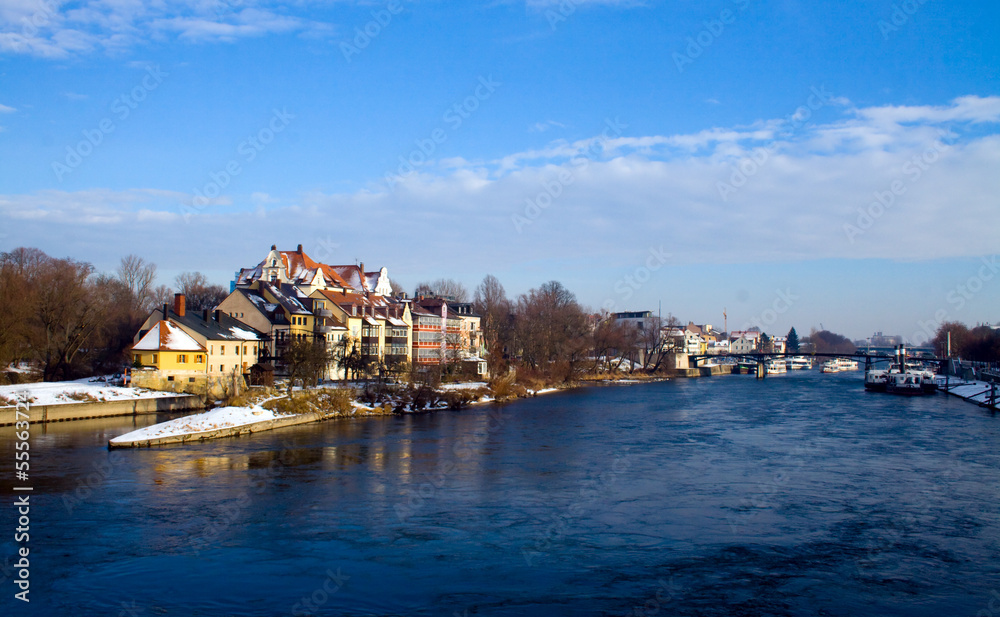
column 797, row 495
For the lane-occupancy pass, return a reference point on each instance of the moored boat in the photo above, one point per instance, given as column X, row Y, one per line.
column 799, row 363
column 904, row 383
column 776, row 367
column 876, row 380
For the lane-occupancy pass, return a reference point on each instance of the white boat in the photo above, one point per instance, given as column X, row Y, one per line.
column 896, row 381
column 839, row 365
column 830, row 366
column 904, row 383
column 776, row 367
column 799, row 363
column 902, row 377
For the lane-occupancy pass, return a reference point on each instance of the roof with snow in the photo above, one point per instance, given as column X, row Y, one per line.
column 165, row 336
column 286, row 297
column 211, row 326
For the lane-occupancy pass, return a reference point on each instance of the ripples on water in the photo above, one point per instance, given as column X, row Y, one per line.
column 798, row 495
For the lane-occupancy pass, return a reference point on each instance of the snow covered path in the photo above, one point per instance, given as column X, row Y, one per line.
column 214, row 420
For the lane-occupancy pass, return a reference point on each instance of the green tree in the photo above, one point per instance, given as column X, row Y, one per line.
column 766, row 344
column 792, row 342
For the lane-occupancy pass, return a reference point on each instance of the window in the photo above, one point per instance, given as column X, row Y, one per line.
column 222, row 368
column 170, row 377
column 190, row 379
column 222, row 349
column 182, row 358
column 244, row 350
column 154, row 358
column 137, row 359
column 198, row 359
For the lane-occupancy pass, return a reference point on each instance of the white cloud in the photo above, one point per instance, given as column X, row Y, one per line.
column 541, row 127
column 52, row 30
column 637, row 192
column 4, row 109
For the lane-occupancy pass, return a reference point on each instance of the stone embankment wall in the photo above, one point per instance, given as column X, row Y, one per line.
column 80, row 411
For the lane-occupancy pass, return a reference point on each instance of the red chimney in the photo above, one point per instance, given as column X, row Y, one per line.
column 179, row 304
column 299, row 250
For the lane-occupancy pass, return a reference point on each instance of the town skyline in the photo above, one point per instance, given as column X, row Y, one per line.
column 731, row 156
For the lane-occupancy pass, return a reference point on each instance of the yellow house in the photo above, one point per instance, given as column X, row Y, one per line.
column 172, row 352
column 208, row 349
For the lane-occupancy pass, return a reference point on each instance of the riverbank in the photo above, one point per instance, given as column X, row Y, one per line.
column 80, row 400
column 982, row 393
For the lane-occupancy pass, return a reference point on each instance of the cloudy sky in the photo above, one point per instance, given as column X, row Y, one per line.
column 789, row 162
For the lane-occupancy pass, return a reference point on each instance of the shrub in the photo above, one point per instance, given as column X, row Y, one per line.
column 83, row 397
column 329, row 402
column 505, row 387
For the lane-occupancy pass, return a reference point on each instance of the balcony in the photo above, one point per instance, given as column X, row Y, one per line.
column 327, row 313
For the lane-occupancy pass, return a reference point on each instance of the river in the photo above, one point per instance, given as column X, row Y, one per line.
column 800, row 494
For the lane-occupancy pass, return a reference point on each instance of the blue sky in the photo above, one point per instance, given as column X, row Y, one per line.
column 794, row 163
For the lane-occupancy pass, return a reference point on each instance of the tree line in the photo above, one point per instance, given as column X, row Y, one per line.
column 980, row 343
column 69, row 320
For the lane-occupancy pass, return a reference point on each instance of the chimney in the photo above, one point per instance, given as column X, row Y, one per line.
column 274, row 247
column 299, row 250
column 166, row 310
column 362, row 266
column 218, row 314
column 179, row 304
column 204, row 315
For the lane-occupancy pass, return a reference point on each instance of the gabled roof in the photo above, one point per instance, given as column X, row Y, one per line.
column 259, row 301
column 227, row 328
column 333, row 277
column 354, row 277
column 286, row 298
column 165, row 336
column 346, row 299
column 433, row 307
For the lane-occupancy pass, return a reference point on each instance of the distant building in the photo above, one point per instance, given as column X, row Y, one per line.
column 744, row 341
column 637, row 319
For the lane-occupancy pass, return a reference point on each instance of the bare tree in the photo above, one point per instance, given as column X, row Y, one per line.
column 665, row 345
column 608, row 338
column 15, row 309
column 199, row 293
column 449, row 288
column 492, row 304
column 397, row 289
column 551, row 328
column 65, row 315
column 138, row 277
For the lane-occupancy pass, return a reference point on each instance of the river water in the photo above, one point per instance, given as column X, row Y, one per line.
column 797, row 495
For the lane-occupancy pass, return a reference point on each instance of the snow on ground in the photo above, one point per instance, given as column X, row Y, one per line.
column 545, row 390
column 222, row 417
column 468, row 385
column 61, row 392
column 975, row 391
